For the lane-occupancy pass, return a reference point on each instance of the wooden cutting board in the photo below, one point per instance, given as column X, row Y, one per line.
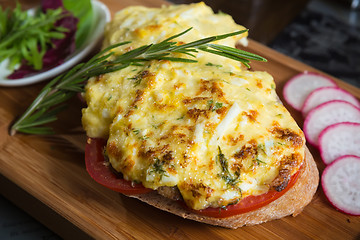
column 51, row 169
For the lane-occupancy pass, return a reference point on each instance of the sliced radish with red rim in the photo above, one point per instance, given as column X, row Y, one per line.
column 300, row 86
column 338, row 140
column 327, row 114
column 341, row 185
column 325, row 94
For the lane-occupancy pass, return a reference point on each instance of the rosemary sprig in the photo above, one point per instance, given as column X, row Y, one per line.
column 51, row 99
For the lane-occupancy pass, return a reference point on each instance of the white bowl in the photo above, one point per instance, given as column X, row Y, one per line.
column 102, row 16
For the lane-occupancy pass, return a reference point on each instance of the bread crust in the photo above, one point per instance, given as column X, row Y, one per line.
column 291, row 203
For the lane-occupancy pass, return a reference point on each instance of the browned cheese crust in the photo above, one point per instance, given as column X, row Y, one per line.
column 291, row 203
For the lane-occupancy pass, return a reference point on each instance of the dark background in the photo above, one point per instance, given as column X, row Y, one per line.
column 324, row 34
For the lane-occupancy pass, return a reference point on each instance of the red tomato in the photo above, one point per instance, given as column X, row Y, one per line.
column 249, row 203
column 101, row 173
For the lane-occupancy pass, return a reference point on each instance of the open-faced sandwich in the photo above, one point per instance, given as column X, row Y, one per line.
column 208, row 141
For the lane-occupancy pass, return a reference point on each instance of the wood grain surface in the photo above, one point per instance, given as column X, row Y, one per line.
column 51, row 169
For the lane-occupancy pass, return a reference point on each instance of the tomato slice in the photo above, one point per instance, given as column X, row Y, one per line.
column 101, row 173
column 248, row 203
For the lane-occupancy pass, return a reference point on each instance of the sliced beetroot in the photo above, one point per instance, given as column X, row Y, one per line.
column 338, row 140
column 341, row 185
column 53, row 4
column 300, row 86
column 327, row 114
column 325, row 94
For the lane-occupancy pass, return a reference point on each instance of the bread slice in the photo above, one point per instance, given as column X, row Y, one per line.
column 291, row 203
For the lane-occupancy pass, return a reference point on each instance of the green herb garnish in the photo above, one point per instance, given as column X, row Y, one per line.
column 137, row 78
column 180, row 118
column 260, row 150
column 136, row 131
column 213, row 107
column 258, row 161
column 217, row 106
column 225, row 174
column 51, row 98
column 158, row 168
column 213, row 65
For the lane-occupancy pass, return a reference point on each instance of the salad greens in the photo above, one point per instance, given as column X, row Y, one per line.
column 83, row 11
column 42, row 40
column 23, row 36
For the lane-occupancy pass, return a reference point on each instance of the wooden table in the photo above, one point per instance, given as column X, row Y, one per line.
column 46, row 176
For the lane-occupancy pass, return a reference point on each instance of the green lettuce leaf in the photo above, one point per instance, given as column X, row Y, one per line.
column 82, row 9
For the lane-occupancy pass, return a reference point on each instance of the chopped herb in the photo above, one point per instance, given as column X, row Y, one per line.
column 109, row 98
column 158, row 168
column 136, row 131
column 156, row 126
column 232, row 203
column 144, row 137
column 223, row 161
column 260, row 150
column 248, row 89
column 258, row 161
column 182, row 117
column 225, row 81
column 218, row 105
column 230, row 180
column 213, row 107
column 226, row 175
column 213, row 65
column 231, row 73
column 222, row 208
column 137, row 79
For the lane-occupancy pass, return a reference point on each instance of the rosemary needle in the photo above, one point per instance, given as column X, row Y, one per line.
column 52, row 97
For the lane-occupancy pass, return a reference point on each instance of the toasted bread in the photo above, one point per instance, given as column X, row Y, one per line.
column 291, row 203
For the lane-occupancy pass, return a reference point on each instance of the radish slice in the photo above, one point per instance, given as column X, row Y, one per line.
column 340, row 181
column 325, row 94
column 326, row 114
column 338, row 140
column 300, row 86
column 348, row 156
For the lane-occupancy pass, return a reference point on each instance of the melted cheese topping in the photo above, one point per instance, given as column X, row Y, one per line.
column 213, row 129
